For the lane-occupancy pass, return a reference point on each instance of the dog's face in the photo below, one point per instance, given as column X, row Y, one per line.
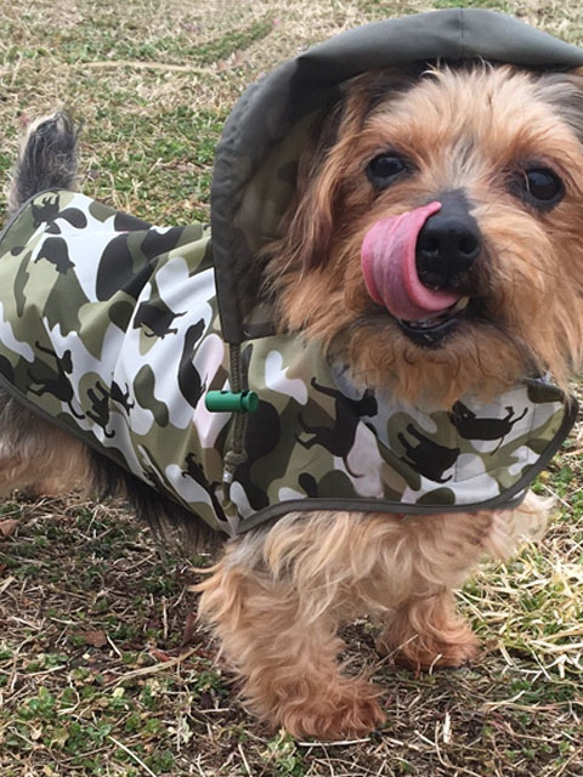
column 436, row 242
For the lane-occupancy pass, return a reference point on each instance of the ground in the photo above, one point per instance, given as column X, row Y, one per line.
column 102, row 668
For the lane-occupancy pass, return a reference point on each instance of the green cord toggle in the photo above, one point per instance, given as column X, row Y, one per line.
column 231, row 401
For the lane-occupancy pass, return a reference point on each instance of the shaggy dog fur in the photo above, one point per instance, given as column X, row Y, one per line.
column 505, row 147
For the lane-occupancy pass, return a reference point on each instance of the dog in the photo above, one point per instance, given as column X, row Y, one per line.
column 433, row 251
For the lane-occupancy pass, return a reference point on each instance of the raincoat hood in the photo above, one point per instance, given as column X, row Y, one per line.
column 256, row 160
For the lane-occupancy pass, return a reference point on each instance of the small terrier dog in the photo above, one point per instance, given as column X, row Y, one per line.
column 473, row 175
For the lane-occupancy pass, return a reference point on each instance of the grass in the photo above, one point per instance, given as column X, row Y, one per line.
column 102, row 671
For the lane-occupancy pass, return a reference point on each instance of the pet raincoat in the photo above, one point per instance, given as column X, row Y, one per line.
column 118, row 331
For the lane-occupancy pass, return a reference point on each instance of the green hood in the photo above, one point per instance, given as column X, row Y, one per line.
column 254, row 176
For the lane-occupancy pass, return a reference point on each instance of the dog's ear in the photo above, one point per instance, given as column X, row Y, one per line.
column 564, row 92
column 310, row 226
column 322, row 180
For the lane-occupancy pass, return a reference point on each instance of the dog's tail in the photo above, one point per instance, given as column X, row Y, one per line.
column 47, row 159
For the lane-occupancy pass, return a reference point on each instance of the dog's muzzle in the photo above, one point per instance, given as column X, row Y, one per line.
column 418, row 264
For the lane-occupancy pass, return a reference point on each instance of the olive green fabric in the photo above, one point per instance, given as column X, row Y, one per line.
column 109, row 327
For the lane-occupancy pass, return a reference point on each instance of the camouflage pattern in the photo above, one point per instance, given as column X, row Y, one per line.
column 110, row 328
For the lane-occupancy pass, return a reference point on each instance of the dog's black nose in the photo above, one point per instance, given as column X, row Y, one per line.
column 447, row 246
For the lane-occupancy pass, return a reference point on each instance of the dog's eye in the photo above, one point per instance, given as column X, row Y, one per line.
column 385, row 168
column 541, row 188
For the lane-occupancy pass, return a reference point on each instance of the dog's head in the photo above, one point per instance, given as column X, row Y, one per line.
column 435, row 243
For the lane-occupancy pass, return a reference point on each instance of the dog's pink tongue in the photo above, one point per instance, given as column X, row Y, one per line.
column 390, row 272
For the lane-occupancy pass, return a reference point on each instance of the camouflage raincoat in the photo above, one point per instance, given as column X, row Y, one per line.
column 117, row 330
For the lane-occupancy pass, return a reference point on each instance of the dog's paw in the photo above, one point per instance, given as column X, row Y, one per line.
column 334, row 714
column 426, row 652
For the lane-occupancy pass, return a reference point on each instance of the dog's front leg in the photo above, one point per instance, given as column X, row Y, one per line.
column 426, row 632
column 430, row 557
column 284, row 653
column 434, row 556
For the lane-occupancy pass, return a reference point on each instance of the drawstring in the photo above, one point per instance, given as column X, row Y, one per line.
column 236, row 454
